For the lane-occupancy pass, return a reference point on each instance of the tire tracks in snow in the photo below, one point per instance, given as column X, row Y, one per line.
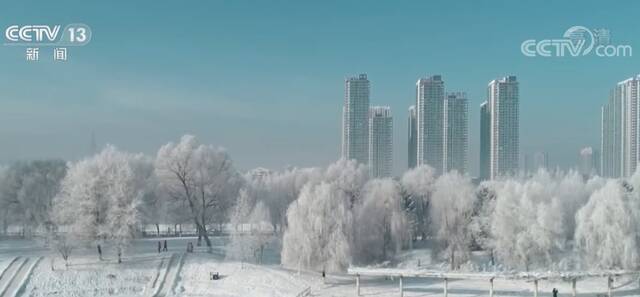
column 169, row 276
column 15, row 276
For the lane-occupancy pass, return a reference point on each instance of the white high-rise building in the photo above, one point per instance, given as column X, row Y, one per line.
column 380, row 141
column 412, row 137
column 455, row 132
column 628, row 92
column 430, row 122
column 619, row 130
column 611, row 137
column 355, row 119
column 485, row 141
column 503, row 108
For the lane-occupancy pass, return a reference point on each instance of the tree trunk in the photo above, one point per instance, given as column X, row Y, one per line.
column 453, row 258
column 198, row 231
column 206, row 236
column 204, row 230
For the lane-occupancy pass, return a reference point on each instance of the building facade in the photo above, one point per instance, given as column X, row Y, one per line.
column 412, row 138
column 455, row 136
column 485, row 141
column 430, row 122
column 503, row 104
column 380, row 141
column 355, row 119
column 619, row 130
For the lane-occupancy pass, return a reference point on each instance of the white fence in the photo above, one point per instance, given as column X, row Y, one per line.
column 535, row 278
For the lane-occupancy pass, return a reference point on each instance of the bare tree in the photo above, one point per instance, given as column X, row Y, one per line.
column 201, row 178
column 63, row 245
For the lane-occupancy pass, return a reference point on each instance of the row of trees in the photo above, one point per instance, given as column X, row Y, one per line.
column 106, row 197
column 344, row 217
column 561, row 219
column 327, row 218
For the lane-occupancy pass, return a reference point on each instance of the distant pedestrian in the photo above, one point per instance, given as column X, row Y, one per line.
column 555, row 292
column 165, row 249
column 99, row 252
column 159, row 246
column 324, row 275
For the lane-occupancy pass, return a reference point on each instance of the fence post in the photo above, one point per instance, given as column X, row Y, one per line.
column 401, row 288
column 609, row 283
column 446, row 287
column 573, row 287
column 357, row 284
column 535, row 288
column 491, row 287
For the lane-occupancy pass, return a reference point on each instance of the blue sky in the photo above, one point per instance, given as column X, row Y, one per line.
column 265, row 78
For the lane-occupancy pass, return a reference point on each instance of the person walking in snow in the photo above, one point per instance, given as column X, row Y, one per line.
column 99, row 252
column 159, row 247
column 555, row 292
column 165, row 249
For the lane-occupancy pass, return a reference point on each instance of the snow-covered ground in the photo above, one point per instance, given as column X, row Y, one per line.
column 236, row 279
column 145, row 272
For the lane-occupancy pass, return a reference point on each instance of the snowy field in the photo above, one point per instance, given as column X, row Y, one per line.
column 145, row 272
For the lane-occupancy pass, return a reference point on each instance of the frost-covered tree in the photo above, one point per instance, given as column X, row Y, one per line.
column 572, row 192
column 481, row 220
column 417, row 186
column 349, row 176
column 239, row 247
column 27, row 190
column 608, row 227
column 261, row 235
column 201, row 178
column 242, row 209
column 380, row 222
column 100, row 197
column 529, row 222
column 451, row 211
column 320, row 226
column 154, row 209
column 277, row 190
